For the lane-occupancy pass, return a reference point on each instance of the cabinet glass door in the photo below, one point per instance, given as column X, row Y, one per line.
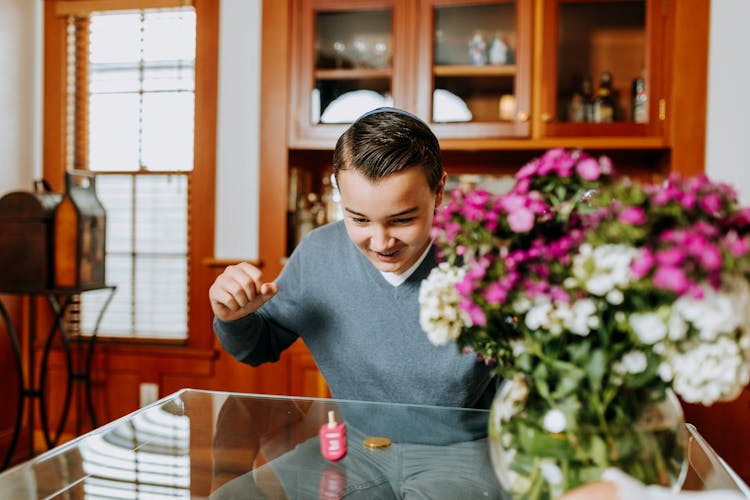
column 346, row 66
column 474, row 68
column 601, row 69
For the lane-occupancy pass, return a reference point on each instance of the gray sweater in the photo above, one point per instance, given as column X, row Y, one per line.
column 363, row 332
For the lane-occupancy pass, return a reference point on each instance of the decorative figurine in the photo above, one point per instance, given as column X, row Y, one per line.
column 498, row 50
column 478, row 50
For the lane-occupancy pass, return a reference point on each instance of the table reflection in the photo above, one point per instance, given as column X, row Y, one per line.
column 204, row 444
column 435, row 452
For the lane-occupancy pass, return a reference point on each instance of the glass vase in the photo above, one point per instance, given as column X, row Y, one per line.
column 540, row 452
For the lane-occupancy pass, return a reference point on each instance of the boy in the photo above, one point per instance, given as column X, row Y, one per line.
column 350, row 289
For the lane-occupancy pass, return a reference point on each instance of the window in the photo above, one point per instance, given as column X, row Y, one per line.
column 130, row 109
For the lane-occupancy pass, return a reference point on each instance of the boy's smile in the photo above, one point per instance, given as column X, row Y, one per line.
column 389, row 220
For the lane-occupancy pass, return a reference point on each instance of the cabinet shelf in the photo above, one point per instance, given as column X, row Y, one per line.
column 594, row 143
column 471, row 71
column 352, row 74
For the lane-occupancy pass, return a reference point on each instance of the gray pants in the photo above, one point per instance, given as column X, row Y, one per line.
column 403, row 470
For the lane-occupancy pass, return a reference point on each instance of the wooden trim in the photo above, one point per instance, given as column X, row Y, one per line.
column 686, row 111
column 274, row 99
column 213, row 262
column 81, row 94
column 84, row 7
column 202, row 195
column 55, row 95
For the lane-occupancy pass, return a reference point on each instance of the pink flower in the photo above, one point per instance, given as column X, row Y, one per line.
column 512, row 202
column 672, row 279
column 711, row 204
column 451, row 230
column 642, row 264
column 737, row 246
column 475, row 312
column 465, row 286
column 521, row 220
column 710, row 258
column 527, row 170
column 670, row 257
column 632, row 215
column 687, row 200
column 588, row 169
column 606, row 165
column 495, row 293
column 558, row 294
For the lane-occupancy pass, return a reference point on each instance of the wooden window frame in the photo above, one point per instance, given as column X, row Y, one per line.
column 201, row 197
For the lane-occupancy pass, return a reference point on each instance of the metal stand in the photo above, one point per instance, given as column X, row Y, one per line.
column 28, row 389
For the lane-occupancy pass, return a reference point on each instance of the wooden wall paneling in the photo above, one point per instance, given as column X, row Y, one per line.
column 724, row 426
column 304, row 377
column 686, row 109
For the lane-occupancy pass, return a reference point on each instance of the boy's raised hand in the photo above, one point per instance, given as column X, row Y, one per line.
column 239, row 291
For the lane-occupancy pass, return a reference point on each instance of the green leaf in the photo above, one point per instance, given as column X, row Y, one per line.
column 541, row 443
column 598, row 451
column 596, row 367
column 539, row 376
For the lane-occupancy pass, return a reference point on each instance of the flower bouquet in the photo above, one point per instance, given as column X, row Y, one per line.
column 596, row 298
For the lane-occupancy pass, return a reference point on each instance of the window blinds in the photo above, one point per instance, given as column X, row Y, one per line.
column 131, row 120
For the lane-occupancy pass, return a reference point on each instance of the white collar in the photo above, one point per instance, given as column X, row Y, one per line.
column 396, row 279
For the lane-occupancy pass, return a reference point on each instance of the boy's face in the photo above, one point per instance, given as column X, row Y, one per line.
column 389, row 220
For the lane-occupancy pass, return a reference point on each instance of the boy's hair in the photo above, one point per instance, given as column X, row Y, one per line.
column 386, row 141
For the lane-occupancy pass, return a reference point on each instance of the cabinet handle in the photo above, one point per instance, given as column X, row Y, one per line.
column 547, row 117
column 523, row 116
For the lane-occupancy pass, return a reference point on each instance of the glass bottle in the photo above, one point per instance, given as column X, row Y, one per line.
column 587, row 94
column 639, row 101
column 604, row 105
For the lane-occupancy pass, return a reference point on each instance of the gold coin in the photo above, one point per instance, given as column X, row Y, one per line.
column 377, row 442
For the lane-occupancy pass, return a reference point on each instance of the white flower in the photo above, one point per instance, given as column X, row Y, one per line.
column 604, row 268
column 554, row 421
column 710, row 372
column 583, row 317
column 551, row 471
column 439, row 314
column 677, row 328
column 649, row 327
column 615, row 297
column 635, row 362
column 665, row 371
column 521, row 305
column 539, row 315
column 518, row 347
column 712, row 315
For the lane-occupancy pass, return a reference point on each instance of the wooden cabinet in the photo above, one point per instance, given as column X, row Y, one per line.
column 346, row 58
column 488, row 71
column 583, row 40
column 318, row 54
column 473, row 68
column 462, row 66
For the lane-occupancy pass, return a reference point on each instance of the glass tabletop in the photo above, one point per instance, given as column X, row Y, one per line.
column 205, row 444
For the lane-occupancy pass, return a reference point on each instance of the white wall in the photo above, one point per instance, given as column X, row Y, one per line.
column 20, row 88
column 728, row 120
column 237, row 175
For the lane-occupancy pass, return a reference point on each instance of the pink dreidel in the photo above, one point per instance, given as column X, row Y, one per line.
column 333, row 439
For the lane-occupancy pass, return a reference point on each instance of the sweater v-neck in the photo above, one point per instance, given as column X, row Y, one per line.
column 376, row 277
